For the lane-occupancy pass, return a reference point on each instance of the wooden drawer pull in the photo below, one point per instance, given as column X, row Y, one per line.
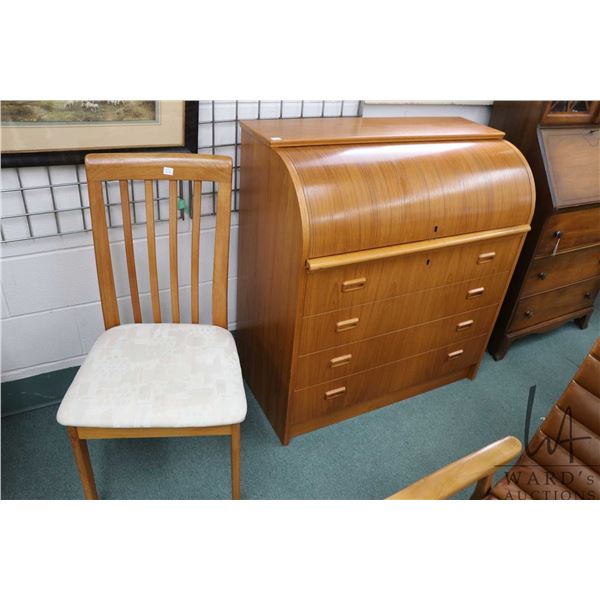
column 486, row 257
column 455, row 354
column 335, row 393
column 345, row 325
column 354, row 284
column 475, row 292
column 340, row 361
column 464, row 325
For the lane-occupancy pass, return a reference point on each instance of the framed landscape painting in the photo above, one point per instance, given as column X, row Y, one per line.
column 58, row 132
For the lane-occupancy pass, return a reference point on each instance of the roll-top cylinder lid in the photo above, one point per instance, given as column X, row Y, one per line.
column 401, row 180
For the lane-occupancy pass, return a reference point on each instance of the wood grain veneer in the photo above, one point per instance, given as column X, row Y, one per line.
column 374, row 254
column 321, row 331
column 313, row 401
column 420, row 191
column 353, row 357
column 407, row 273
column 319, row 132
column 270, row 282
column 371, row 250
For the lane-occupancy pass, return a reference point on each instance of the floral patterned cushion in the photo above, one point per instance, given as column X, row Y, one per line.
column 158, row 375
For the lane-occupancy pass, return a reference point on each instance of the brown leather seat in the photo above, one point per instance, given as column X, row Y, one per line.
column 562, row 461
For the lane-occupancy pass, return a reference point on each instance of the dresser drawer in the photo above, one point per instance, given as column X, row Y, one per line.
column 335, row 288
column 327, row 398
column 358, row 356
column 563, row 269
column 578, row 228
column 543, row 307
column 367, row 320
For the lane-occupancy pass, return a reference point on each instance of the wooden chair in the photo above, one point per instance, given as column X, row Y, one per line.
column 161, row 379
column 477, row 467
column 561, row 462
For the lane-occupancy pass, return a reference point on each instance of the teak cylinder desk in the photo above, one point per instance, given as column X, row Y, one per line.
column 373, row 257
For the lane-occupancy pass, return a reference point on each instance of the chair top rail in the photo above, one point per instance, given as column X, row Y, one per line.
column 155, row 166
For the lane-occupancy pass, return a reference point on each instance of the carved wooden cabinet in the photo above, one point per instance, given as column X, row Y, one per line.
column 558, row 275
column 374, row 255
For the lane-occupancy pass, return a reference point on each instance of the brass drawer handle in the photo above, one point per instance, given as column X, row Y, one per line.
column 340, row 361
column 347, row 324
column 354, row 284
column 486, row 257
column 464, row 325
column 455, row 354
column 335, row 393
column 557, row 235
column 528, row 314
column 475, row 292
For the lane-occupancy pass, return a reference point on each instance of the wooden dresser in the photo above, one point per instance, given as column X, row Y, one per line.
column 558, row 274
column 373, row 258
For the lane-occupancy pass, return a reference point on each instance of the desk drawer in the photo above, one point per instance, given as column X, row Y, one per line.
column 577, row 228
column 552, row 272
column 367, row 320
column 543, row 307
column 351, row 358
column 327, row 398
column 335, row 288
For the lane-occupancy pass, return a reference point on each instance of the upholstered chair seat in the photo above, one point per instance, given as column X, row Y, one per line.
column 158, row 375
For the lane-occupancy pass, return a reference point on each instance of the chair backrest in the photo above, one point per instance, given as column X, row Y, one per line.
column 151, row 167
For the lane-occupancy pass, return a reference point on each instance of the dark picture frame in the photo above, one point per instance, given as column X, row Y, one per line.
column 74, row 157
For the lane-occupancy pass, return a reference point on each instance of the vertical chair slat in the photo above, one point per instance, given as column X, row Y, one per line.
column 153, row 270
column 129, row 252
column 221, row 258
column 173, row 251
column 151, row 168
column 106, row 282
column 196, row 207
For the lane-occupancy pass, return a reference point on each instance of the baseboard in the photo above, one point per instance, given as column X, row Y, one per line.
column 42, row 368
column 21, row 395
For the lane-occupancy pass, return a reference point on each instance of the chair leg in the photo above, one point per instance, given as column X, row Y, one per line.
column 483, row 487
column 84, row 466
column 235, row 462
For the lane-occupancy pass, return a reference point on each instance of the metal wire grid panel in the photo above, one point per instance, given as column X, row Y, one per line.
column 41, row 202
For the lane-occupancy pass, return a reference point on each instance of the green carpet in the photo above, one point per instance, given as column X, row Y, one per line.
column 368, row 457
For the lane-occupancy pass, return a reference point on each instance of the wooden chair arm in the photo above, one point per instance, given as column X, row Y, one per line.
column 451, row 479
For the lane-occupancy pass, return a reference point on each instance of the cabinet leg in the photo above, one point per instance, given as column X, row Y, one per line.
column 500, row 351
column 583, row 322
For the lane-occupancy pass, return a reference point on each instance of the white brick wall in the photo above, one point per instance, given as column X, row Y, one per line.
column 51, row 313
column 475, row 111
